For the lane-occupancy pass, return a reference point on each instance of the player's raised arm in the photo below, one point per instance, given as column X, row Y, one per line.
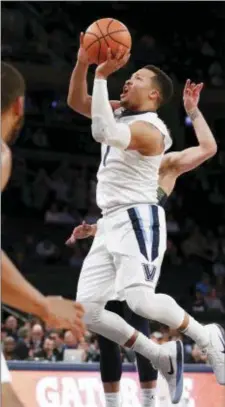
column 78, row 98
column 140, row 135
column 191, row 158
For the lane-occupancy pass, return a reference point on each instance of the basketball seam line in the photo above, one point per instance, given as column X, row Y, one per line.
column 97, row 40
column 100, row 38
column 118, row 42
column 103, row 36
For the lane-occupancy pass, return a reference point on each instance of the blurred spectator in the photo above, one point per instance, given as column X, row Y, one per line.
column 11, row 326
column 23, row 344
column 58, row 338
column 47, row 250
column 199, row 304
column 212, row 246
column 93, row 353
column 4, row 333
column 47, row 352
column 70, row 340
column 213, row 302
column 9, row 348
column 195, row 244
column 37, row 338
column 219, row 267
column 220, row 286
column 204, row 286
column 172, row 254
column 52, row 214
column 40, row 189
column 172, row 225
column 61, row 188
column 84, row 345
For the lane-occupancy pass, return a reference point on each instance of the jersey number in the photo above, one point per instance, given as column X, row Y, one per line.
column 106, row 155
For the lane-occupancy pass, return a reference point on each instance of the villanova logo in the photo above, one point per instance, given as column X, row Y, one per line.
column 149, row 271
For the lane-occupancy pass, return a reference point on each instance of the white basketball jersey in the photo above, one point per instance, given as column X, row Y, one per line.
column 127, row 177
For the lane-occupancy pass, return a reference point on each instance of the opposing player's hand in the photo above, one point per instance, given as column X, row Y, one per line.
column 113, row 63
column 82, row 55
column 191, row 95
column 82, row 231
column 65, row 314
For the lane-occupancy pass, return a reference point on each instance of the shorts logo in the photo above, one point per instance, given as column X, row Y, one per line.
column 149, row 271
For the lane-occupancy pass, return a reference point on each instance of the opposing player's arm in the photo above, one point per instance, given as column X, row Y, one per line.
column 56, row 311
column 18, row 292
column 192, row 157
column 82, row 231
column 78, row 98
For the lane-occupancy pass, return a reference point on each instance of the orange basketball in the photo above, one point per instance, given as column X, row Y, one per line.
column 103, row 34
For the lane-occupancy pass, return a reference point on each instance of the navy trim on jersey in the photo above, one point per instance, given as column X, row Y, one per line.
column 106, row 155
column 155, row 230
column 138, row 231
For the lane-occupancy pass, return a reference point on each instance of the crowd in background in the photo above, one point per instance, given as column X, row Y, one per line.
column 47, row 34
column 33, row 341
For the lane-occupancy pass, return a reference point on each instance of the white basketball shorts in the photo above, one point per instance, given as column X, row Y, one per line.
column 5, row 375
column 127, row 251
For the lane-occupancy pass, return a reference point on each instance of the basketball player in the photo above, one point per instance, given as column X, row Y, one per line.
column 15, row 290
column 130, row 242
column 172, row 166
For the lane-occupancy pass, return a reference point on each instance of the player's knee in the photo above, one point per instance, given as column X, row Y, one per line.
column 141, row 300
column 92, row 315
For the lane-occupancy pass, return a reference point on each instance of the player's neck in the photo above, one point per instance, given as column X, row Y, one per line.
column 143, row 108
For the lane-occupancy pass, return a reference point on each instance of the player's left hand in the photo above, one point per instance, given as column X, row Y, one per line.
column 191, row 95
column 62, row 313
column 112, row 64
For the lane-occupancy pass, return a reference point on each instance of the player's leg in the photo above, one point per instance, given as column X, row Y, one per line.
column 147, row 373
column 138, row 275
column 94, row 288
column 8, row 395
column 111, row 362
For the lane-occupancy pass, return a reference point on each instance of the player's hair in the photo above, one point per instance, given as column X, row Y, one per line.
column 12, row 85
column 163, row 82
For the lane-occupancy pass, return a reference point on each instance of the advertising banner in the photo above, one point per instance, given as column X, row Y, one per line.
column 84, row 389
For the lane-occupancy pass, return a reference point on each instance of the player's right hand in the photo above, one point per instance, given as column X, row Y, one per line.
column 82, row 55
column 65, row 314
column 113, row 63
column 82, row 231
column 191, row 95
